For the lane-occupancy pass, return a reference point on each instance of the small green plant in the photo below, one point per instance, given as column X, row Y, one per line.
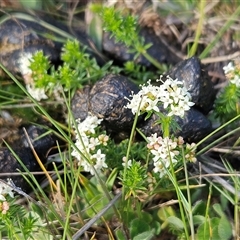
column 227, row 104
column 78, row 69
column 124, row 28
column 15, row 221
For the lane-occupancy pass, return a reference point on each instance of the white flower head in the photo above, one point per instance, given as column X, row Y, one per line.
column 88, row 125
column 175, row 97
column 236, row 80
column 99, row 157
column 5, row 189
column 232, row 72
column 164, row 154
column 171, row 94
column 24, row 63
column 129, row 162
column 229, row 68
column 145, row 100
column 85, row 150
column 36, row 93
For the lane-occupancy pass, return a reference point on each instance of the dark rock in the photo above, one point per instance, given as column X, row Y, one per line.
column 193, row 126
column 121, row 54
column 197, row 82
column 22, row 38
column 107, row 99
column 41, row 142
column 9, row 164
column 25, row 159
column 80, row 103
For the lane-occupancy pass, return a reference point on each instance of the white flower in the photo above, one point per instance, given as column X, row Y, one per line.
column 191, row 155
column 145, row 100
column 5, row 189
column 103, row 139
column 134, row 103
column 24, row 66
column 236, row 80
column 36, row 93
column 228, row 68
column 129, row 162
column 24, row 63
column 171, row 94
column 5, row 207
column 57, row 89
column 86, row 144
column 232, row 72
column 174, row 97
column 99, row 157
column 164, row 151
column 89, row 124
column 153, row 141
column 93, row 142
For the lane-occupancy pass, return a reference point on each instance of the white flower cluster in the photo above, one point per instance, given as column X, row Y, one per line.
column 166, row 150
column 36, row 93
column 5, row 189
column 24, row 63
column 24, row 66
column 232, row 72
column 129, row 162
column 171, row 94
column 88, row 156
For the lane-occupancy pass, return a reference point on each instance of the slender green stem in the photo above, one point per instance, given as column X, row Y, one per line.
column 236, row 211
column 166, row 122
column 217, row 141
column 207, row 210
column 189, row 196
column 152, row 60
column 66, row 226
column 220, row 33
column 215, row 131
column 193, row 49
column 129, row 149
column 183, row 203
column 181, row 198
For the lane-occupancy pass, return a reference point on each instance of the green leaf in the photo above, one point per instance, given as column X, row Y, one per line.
column 128, row 216
column 198, row 219
column 112, row 178
column 165, row 212
column 175, row 222
column 156, row 226
column 120, row 235
column 32, row 4
column 224, row 228
column 144, row 236
column 218, row 209
column 138, row 226
column 209, row 230
column 147, row 217
column 199, row 208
